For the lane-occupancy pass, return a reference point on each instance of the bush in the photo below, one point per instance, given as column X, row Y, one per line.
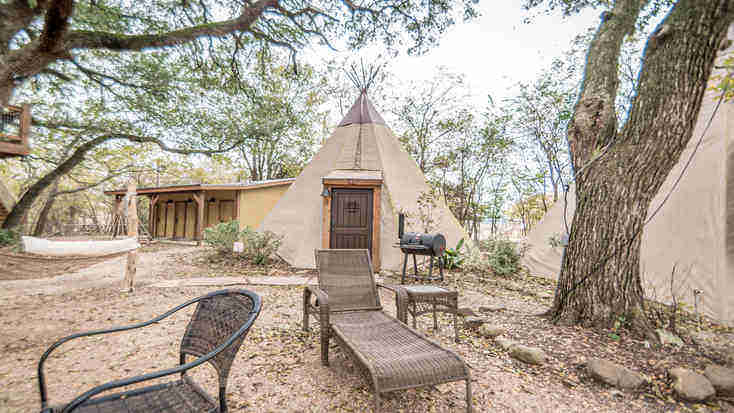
column 260, row 247
column 8, row 237
column 223, row 236
column 454, row 257
column 503, row 255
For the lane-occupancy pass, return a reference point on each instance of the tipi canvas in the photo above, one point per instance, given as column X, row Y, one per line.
column 693, row 231
column 351, row 192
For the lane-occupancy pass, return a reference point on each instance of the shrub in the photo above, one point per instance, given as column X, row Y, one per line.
column 8, row 237
column 260, row 247
column 454, row 257
column 504, row 255
column 223, row 236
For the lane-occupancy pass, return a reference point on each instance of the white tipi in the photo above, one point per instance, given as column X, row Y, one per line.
column 693, row 231
column 351, row 192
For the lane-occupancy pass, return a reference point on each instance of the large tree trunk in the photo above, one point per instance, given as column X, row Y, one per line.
column 43, row 215
column 600, row 275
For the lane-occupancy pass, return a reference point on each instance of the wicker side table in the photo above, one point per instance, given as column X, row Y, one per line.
column 424, row 299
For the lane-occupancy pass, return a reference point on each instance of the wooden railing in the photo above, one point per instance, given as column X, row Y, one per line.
column 15, row 127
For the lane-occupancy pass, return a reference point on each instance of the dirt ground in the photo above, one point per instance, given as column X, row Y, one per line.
column 278, row 367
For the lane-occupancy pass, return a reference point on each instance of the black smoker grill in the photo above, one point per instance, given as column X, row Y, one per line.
column 416, row 243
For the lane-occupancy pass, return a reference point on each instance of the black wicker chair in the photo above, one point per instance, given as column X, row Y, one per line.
column 214, row 334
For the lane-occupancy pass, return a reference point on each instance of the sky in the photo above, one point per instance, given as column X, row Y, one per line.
column 497, row 50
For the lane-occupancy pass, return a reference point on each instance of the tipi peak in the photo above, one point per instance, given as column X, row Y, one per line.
column 362, row 111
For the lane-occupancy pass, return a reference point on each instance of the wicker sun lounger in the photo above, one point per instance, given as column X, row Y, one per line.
column 389, row 354
column 215, row 332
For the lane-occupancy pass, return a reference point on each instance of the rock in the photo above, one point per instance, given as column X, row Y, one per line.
column 490, row 331
column 614, row 374
column 530, row 355
column 721, row 378
column 665, row 337
column 473, row 323
column 690, row 385
column 466, row 311
column 492, row 308
column 505, row 343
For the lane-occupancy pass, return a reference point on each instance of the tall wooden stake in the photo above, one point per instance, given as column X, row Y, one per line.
column 132, row 232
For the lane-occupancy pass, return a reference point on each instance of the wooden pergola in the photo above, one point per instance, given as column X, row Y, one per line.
column 15, row 128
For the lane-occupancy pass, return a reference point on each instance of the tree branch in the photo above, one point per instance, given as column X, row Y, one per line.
column 114, row 41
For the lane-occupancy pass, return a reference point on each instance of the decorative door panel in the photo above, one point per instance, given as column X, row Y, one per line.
column 351, row 218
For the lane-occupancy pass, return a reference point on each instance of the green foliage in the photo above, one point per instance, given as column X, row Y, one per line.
column 503, row 255
column 8, row 237
column 223, row 236
column 260, row 247
column 453, row 257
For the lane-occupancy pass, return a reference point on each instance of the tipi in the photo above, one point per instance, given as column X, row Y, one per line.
column 351, row 192
column 693, row 231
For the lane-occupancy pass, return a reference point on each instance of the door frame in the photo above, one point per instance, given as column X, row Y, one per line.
column 376, row 186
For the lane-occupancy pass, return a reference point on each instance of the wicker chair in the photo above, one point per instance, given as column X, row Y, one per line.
column 390, row 355
column 215, row 332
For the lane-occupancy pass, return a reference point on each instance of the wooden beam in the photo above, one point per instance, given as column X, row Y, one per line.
column 326, row 220
column 236, row 212
column 200, row 199
column 152, row 216
column 13, row 149
column 376, row 227
column 25, row 125
column 352, row 182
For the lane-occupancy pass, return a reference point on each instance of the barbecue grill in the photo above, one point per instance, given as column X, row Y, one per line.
column 416, row 243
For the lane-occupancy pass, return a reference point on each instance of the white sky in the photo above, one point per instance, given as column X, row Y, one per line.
column 498, row 50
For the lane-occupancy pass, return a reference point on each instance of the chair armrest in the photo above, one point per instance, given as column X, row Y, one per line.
column 401, row 300
column 41, row 375
column 167, row 372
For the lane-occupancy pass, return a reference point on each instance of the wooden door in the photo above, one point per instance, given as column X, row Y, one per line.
column 226, row 210
column 180, row 222
column 351, row 218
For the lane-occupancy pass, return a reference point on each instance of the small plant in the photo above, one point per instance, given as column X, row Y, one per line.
column 619, row 322
column 504, row 256
column 8, row 237
column 223, row 236
column 557, row 240
column 453, row 257
column 260, row 247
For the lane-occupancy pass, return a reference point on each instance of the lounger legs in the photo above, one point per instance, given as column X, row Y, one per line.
column 468, row 395
column 377, row 402
column 325, row 336
column 306, row 297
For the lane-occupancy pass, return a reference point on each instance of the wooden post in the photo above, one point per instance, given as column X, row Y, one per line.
column 153, row 217
column 200, row 199
column 132, row 231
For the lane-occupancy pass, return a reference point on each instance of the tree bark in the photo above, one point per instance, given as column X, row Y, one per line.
column 43, row 215
column 619, row 174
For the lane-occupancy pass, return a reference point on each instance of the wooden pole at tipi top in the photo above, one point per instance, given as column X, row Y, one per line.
column 132, row 232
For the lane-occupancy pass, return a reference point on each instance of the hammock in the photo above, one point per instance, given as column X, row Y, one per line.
column 79, row 249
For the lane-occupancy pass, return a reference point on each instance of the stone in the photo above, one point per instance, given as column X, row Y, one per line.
column 505, row 343
column 613, row 374
column 473, row 323
column 530, row 355
column 665, row 337
column 722, row 378
column 466, row 312
column 690, row 385
column 491, row 331
column 492, row 308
